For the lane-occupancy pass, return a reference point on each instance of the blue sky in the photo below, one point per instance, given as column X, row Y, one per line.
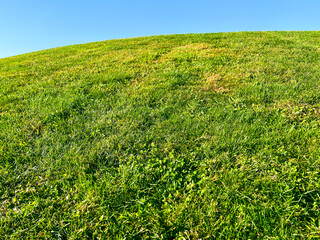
column 32, row 25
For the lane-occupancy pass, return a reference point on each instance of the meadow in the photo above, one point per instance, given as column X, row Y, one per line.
column 196, row 136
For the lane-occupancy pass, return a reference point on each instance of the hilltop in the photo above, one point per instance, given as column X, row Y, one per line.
column 170, row 137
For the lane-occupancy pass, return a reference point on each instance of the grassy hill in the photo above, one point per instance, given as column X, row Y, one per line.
column 198, row 136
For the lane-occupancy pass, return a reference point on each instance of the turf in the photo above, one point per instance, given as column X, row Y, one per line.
column 197, row 136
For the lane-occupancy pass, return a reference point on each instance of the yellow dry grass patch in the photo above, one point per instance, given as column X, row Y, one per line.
column 14, row 74
column 195, row 46
column 222, row 82
column 194, row 49
column 213, row 83
column 297, row 111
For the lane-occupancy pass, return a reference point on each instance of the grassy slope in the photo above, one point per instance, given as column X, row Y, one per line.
column 190, row 136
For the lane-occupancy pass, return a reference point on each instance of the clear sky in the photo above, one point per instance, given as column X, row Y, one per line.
column 31, row 25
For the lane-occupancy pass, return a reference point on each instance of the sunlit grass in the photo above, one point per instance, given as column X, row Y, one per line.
column 169, row 137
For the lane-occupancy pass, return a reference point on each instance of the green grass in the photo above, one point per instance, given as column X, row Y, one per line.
column 198, row 136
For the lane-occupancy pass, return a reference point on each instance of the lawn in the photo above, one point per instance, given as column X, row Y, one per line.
column 196, row 136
